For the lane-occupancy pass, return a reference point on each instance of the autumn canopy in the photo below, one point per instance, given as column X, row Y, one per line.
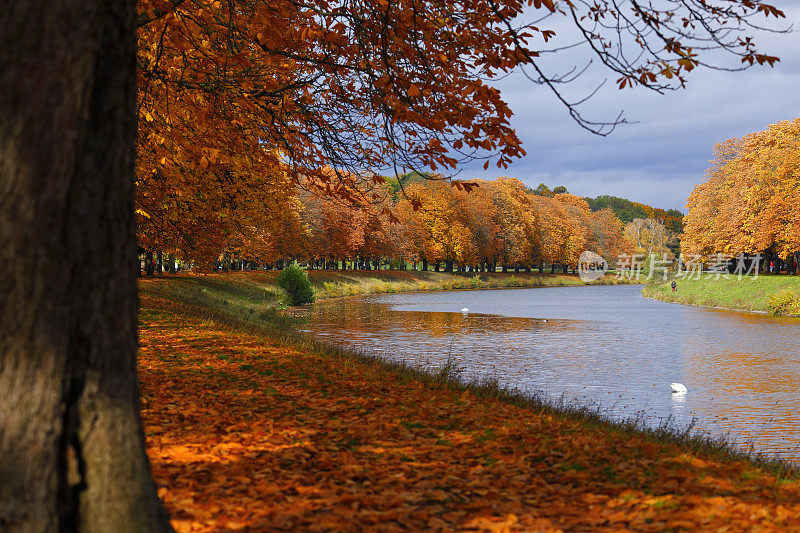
column 247, row 107
column 750, row 201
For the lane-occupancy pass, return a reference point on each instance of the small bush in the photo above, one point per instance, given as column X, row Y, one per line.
column 294, row 281
column 786, row 302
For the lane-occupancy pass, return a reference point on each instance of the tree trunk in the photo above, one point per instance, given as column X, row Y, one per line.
column 71, row 444
column 149, row 265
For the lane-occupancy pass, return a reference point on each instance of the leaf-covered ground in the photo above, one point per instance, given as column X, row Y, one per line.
column 246, row 433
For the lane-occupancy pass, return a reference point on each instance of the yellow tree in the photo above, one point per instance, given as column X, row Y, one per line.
column 439, row 227
column 749, row 201
column 648, row 236
column 518, row 220
column 606, row 236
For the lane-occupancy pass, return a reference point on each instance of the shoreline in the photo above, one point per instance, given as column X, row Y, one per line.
column 466, row 289
column 752, row 311
column 769, row 295
column 334, row 284
column 242, row 318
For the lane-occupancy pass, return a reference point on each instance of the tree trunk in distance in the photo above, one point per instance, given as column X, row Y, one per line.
column 149, row 265
column 72, row 452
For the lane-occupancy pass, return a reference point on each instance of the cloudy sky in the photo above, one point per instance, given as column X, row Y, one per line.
column 658, row 159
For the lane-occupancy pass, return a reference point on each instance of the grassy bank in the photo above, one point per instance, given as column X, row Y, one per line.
column 252, row 427
column 776, row 295
column 258, row 288
column 335, row 284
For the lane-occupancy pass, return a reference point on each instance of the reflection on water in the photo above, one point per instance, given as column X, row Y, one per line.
column 603, row 346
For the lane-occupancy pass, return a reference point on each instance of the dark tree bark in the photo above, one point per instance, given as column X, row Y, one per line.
column 71, row 444
column 149, row 264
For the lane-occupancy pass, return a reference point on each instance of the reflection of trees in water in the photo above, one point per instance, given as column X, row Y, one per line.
column 483, row 346
column 742, row 370
column 760, row 385
column 369, row 316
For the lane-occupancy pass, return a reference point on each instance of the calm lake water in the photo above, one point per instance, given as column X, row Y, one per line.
column 604, row 347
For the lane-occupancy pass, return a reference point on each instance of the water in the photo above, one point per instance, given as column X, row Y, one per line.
column 604, row 347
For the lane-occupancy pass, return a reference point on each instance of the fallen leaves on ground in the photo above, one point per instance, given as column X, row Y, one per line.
column 246, row 434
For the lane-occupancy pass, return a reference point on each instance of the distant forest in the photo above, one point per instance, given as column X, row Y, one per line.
column 624, row 209
column 627, row 210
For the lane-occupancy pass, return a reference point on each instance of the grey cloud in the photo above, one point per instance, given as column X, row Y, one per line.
column 659, row 159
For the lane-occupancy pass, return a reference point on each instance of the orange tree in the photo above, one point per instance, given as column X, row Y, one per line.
column 516, row 222
column 240, row 102
column 750, row 201
column 235, row 89
column 501, row 221
column 438, row 230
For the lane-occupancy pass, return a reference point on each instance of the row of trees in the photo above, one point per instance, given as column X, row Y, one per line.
column 750, row 201
column 478, row 224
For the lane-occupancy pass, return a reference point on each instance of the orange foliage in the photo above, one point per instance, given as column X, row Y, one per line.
column 502, row 221
column 341, row 230
column 496, row 222
column 244, row 433
column 241, row 102
column 750, row 201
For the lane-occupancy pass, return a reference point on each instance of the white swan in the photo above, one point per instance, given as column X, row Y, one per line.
column 465, row 310
column 678, row 388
